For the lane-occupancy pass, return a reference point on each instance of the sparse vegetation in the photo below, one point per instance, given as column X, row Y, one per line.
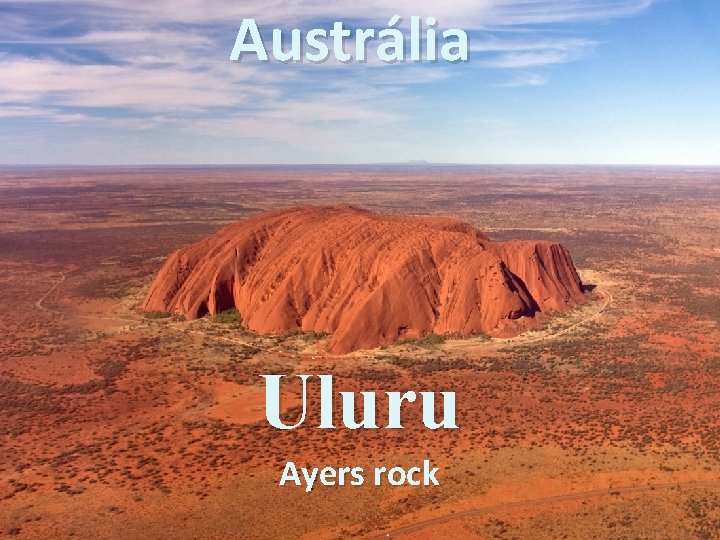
column 97, row 400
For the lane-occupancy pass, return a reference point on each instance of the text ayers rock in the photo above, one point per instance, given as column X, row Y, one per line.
column 367, row 279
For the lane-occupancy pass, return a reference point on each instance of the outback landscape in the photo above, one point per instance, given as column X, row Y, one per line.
column 122, row 416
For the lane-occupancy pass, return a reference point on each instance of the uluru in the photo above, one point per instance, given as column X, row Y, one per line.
column 366, row 279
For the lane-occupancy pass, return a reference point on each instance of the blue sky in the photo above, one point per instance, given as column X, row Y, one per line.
column 548, row 81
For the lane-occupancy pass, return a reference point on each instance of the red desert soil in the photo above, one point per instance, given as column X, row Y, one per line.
column 367, row 279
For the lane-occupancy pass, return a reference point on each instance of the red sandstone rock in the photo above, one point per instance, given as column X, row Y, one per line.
column 367, row 279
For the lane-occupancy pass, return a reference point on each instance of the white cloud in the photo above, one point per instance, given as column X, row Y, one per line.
column 107, row 39
column 541, row 43
column 469, row 13
column 525, row 79
column 140, row 85
column 514, row 54
column 43, row 113
column 165, row 62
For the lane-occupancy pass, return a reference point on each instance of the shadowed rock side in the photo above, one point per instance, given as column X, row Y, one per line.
column 367, row 279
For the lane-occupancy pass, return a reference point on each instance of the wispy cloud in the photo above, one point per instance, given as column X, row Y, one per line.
column 471, row 13
column 525, row 53
column 42, row 113
column 524, row 79
column 139, row 65
column 140, row 85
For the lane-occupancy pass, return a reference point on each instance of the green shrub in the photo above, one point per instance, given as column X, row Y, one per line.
column 229, row 316
column 156, row 315
column 431, row 340
column 428, row 341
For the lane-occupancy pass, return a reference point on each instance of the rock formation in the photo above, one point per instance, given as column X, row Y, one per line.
column 365, row 278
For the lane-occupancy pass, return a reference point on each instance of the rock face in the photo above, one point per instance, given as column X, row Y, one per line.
column 367, row 279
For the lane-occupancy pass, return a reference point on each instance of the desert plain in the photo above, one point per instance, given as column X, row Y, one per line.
column 599, row 422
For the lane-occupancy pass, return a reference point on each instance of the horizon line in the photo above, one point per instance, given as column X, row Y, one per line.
column 411, row 163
